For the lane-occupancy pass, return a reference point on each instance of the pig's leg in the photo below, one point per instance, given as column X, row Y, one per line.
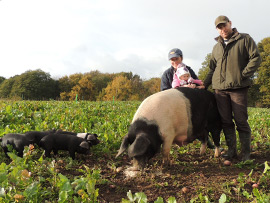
column 203, row 148
column 204, row 139
column 217, row 152
column 47, row 149
column 72, row 151
column 47, row 153
column 216, row 138
column 166, row 150
column 55, row 151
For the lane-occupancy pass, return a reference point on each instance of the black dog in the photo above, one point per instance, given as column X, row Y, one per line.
column 19, row 141
column 65, row 141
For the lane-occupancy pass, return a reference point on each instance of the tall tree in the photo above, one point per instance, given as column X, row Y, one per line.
column 205, row 67
column 203, row 72
column 100, row 81
column 263, row 76
column 151, row 86
column 6, row 87
column 138, row 90
column 119, row 89
column 83, row 89
column 35, row 85
column 67, row 83
column 2, row 79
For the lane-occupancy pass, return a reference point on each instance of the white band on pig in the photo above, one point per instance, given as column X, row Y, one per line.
column 82, row 135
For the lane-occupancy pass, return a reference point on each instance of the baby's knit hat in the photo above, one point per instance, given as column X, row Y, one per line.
column 181, row 70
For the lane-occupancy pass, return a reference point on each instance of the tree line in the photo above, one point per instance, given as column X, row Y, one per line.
column 124, row 86
column 93, row 86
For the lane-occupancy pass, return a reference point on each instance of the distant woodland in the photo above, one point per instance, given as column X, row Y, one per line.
column 124, row 86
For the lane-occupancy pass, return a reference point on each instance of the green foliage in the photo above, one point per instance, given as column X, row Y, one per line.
column 151, row 86
column 6, row 87
column 205, row 68
column 222, row 198
column 203, row 72
column 263, row 76
column 34, row 179
column 35, row 85
column 92, row 86
column 2, row 79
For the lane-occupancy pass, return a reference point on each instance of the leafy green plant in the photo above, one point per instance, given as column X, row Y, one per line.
column 33, row 177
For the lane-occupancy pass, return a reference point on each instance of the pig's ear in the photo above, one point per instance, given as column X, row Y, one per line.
column 123, row 146
column 139, row 146
column 92, row 137
column 85, row 145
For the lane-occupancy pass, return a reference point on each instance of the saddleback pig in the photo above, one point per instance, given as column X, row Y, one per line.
column 19, row 141
column 177, row 116
column 67, row 142
column 92, row 138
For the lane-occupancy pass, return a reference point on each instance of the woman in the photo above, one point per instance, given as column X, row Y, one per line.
column 175, row 57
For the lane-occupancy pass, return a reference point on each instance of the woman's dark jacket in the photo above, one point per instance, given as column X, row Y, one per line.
column 167, row 77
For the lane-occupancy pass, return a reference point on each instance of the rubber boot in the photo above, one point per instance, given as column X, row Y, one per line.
column 245, row 139
column 230, row 137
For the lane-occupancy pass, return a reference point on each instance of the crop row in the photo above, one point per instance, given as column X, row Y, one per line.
column 35, row 179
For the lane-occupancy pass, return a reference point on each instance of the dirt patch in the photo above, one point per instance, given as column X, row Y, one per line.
column 189, row 176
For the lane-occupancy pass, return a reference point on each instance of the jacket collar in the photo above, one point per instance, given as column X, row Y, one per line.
column 236, row 35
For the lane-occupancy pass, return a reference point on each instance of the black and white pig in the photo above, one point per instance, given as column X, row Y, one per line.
column 19, row 141
column 63, row 141
column 92, row 138
column 172, row 116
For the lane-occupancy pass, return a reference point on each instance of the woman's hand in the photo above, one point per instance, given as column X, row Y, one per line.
column 191, row 85
column 201, row 87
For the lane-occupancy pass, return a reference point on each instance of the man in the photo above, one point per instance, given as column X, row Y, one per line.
column 234, row 60
column 175, row 57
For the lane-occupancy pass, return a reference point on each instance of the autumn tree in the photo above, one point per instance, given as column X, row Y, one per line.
column 119, row 89
column 138, row 90
column 100, row 81
column 83, row 89
column 151, row 86
column 66, row 84
column 263, row 76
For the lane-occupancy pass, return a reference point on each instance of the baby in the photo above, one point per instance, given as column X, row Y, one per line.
column 182, row 78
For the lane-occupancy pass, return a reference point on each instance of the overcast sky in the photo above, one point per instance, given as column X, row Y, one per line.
column 63, row 37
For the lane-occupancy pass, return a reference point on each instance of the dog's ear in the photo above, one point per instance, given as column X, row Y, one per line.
column 139, row 146
column 85, row 145
column 123, row 146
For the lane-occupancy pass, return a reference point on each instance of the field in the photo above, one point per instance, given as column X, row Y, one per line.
column 99, row 177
